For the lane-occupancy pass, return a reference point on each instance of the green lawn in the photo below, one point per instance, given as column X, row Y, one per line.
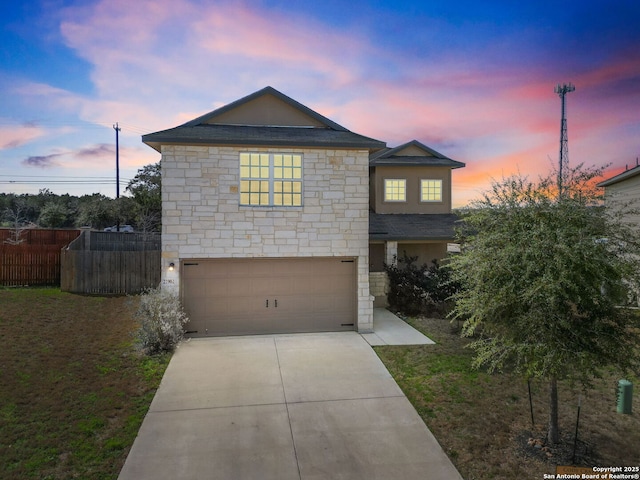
column 73, row 388
column 74, row 391
column 483, row 421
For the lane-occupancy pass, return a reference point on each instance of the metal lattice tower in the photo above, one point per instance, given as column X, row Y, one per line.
column 563, row 165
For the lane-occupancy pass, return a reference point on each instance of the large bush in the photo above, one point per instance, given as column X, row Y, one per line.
column 419, row 290
column 162, row 321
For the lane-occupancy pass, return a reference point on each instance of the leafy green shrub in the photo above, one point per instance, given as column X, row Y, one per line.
column 420, row 290
column 162, row 321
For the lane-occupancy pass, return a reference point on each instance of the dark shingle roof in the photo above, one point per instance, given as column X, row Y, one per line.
column 260, row 135
column 205, row 131
column 412, row 226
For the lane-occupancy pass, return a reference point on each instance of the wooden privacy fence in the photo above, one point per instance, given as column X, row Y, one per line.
column 35, row 260
column 111, row 263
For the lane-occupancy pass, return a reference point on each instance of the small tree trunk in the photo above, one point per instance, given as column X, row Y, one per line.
column 553, row 435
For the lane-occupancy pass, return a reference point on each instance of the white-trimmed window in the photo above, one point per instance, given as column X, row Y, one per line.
column 430, row 190
column 271, row 179
column 395, row 190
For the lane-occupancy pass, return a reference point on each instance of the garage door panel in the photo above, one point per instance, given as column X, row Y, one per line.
column 238, row 268
column 192, row 270
column 325, row 285
column 255, row 286
column 237, row 307
column 197, row 313
column 199, row 288
column 261, row 268
column 252, row 296
column 332, row 305
column 215, row 286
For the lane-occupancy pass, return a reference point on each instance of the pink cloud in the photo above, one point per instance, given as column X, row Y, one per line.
column 177, row 51
column 16, row 136
column 159, row 63
column 268, row 37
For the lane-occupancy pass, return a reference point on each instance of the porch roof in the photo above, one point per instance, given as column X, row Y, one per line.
column 412, row 226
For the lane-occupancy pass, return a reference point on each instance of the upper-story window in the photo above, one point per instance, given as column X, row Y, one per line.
column 395, row 190
column 431, row 190
column 271, row 179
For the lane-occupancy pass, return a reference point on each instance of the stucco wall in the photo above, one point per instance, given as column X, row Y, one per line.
column 412, row 175
column 426, row 252
column 202, row 217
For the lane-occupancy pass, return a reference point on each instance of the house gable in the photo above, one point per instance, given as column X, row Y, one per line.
column 265, row 118
column 266, row 110
column 267, row 107
column 410, row 154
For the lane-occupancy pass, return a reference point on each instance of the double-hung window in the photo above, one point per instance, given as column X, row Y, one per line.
column 395, row 190
column 271, row 179
column 431, row 190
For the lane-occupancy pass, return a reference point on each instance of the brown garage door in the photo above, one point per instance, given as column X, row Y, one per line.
column 255, row 296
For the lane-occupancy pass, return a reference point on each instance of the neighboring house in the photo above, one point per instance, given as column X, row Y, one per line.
column 266, row 222
column 622, row 196
column 411, row 214
column 623, row 192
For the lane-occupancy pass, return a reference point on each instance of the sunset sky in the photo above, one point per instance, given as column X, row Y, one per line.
column 472, row 80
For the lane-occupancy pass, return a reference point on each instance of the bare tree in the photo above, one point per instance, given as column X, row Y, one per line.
column 18, row 223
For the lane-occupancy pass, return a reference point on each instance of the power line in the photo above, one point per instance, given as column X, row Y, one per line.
column 61, row 181
column 59, row 176
column 58, row 180
column 128, row 127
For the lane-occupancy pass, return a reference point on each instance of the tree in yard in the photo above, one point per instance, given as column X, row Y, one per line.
column 146, row 188
column 16, row 219
column 542, row 279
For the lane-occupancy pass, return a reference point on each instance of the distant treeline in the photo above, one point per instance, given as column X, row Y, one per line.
column 141, row 207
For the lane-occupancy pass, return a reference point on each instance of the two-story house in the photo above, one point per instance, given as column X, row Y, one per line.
column 265, row 224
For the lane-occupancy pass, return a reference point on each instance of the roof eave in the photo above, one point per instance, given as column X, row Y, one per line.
column 400, row 238
column 158, row 142
column 440, row 162
column 627, row 174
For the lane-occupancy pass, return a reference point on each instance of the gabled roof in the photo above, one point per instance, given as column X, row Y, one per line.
column 264, row 118
column 217, row 116
column 412, row 154
column 627, row 174
column 412, row 226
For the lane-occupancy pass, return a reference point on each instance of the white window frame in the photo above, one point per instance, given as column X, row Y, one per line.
column 422, row 188
column 404, row 190
column 271, row 171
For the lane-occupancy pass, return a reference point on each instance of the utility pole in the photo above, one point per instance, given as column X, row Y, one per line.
column 562, row 90
column 117, row 129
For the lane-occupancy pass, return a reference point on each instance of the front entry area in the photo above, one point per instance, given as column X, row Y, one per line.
column 274, row 295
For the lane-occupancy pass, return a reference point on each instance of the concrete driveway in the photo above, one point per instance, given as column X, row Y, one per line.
column 316, row 406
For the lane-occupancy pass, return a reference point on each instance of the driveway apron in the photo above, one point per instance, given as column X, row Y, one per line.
column 303, row 407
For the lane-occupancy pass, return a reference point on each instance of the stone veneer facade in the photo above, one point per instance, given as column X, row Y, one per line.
column 379, row 287
column 202, row 217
